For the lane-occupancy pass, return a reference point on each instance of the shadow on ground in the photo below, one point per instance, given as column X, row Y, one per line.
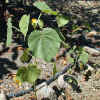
column 5, row 65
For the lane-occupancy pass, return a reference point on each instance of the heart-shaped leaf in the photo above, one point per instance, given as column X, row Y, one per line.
column 22, row 74
column 28, row 74
column 44, row 8
column 44, row 44
column 33, row 73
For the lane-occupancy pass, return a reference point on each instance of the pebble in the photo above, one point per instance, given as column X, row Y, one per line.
column 3, row 96
column 46, row 92
column 61, row 82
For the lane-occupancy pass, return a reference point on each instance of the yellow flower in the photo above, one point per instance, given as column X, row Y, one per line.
column 34, row 20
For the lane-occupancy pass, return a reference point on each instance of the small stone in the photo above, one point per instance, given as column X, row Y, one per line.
column 1, row 46
column 3, row 96
column 61, row 82
column 46, row 92
column 95, row 11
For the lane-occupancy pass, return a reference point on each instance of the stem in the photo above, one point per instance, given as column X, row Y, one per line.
column 16, row 29
column 66, row 68
column 38, row 19
column 35, row 24
column 65, row 45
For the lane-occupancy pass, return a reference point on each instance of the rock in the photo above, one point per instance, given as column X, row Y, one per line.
column 89, row 67
column 1, row 46
column 91, row 51
column 3, row 96
column 61, row 82
column 46, row 92
column 97, row 75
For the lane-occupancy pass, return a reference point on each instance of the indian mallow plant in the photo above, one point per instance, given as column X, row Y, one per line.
column 43, row 42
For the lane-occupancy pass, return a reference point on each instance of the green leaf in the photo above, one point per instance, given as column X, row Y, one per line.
column 33, row 73
column 26, row 56
column 44, row 7
column 24, row 23
column 44, row 44
column 51, row 12
column 72, row 50
column 62, row 20
column 70, row 59
column 28, row 74
column 22, row 74
column 83, row 57
column 40, row 23
column 41, row 5
column 9, row 32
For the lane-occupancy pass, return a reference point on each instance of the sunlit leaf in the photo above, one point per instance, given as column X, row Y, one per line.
column 70, row 59
column 84, row 57
column 33, row 73
column 41, row 5
column 28, row 74
column 44, row 7
column 24, row 23
column 50, row 12
column 22, row 74
column 62, row 20
column 40, row 23
column 44, row 44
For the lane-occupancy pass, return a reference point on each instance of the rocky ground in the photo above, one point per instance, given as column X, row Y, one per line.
column 89, row 89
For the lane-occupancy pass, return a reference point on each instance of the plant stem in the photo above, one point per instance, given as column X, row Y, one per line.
column 16, row 29
column 65, row 44
column 38, row 19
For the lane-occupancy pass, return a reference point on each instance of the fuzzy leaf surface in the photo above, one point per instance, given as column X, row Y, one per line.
column 28, row 74
column 44, row 44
